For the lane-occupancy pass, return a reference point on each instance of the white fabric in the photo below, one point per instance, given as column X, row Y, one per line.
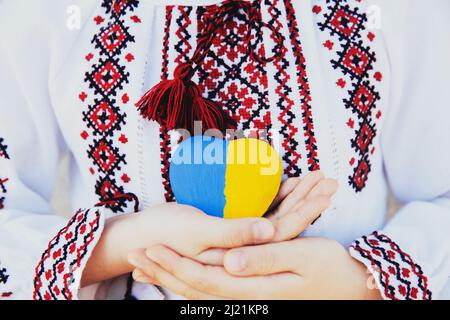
column 42, row 70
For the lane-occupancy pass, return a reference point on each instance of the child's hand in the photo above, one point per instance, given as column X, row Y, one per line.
column 299, row 203
column 183, row 228
column 189, row 231
column 304, row 268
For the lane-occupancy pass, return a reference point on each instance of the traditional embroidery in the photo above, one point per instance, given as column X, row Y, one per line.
column 303, row 87
column 292, row 113
column 3, row 190
column 285, row 103
column 355, row 60
column 3, row 181
column 3, row 147
column 4, row 276
column 163, row 132
column 59, row 271
column 396, row 274
column 104, row 117
column 3, row 280
column 232, row 76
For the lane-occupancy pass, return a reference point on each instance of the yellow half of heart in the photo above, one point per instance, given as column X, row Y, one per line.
column 252, row 179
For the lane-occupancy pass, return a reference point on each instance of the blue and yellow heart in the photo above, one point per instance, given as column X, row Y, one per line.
column 229, row 179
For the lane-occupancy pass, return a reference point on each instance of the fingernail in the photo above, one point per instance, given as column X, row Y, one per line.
column 236, row 261
column 263, row 230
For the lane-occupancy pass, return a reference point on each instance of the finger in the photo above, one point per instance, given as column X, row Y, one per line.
column 265, row 259
column 294, row 223
column 161, row 277
column 216, row 281
column 286, row 188
column 212, row 257
column 299, row 193
column 232, row 233
column 141, row 276
column 325, row 187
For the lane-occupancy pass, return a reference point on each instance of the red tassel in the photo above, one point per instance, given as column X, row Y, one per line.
column 177, row 103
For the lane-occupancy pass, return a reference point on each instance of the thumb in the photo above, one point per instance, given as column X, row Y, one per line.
column 232, row 233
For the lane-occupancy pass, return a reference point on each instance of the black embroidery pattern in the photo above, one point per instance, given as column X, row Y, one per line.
column 354, row 59
column 103, row 117
column 303, row 87
column 232, row 76
column 399, row 276
column 55, row 274
column 3, row 190
column 287, row 118
column 3, row 148
column 4, row 276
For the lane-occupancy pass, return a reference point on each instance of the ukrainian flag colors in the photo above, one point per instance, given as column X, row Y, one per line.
column 230, row 179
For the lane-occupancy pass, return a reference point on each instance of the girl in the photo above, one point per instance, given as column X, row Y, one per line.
column 356, row 90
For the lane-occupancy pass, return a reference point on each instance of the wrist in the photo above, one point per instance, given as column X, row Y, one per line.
column 123, row 237
column 109, row 258
column 369, row 289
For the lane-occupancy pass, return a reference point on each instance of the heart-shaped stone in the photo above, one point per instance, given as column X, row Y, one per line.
column 230, row 179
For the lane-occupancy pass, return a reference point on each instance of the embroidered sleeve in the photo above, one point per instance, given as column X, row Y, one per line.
column 396, row 274
column 58, row 273
column 42, row 255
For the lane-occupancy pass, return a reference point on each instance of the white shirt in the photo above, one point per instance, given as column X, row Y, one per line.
column 362, row 99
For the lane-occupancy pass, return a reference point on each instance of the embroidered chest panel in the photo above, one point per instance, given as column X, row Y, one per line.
column 262, row 95
column 239, row 80
column 105, row 97
column 348, row 42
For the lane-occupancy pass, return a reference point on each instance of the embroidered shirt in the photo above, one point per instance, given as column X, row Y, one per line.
column 358, row 90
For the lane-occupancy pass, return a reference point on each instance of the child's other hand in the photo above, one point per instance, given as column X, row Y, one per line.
column 189, row 231
column 299, row 203
column 303, row 268
column 185, row 229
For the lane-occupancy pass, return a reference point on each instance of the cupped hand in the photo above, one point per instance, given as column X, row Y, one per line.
column 298, row 204
column 190, row 232
column 304, row 268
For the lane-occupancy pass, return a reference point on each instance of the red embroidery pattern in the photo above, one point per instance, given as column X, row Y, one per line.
column 291, row 111
column 285, row 102
column 59, row 271
column 355, row 60
column 398, row 276
column 303, row 87
column 231, row 75
column 104, row 117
